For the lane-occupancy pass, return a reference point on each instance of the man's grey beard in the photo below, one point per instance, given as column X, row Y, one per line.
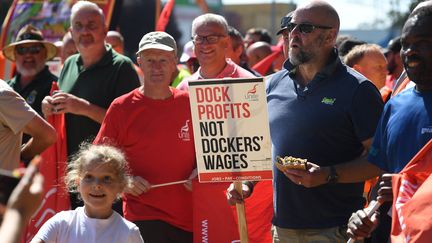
column 300, row 58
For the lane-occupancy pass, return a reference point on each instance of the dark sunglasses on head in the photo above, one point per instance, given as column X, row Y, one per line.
column 305, row 28
column 21, row 50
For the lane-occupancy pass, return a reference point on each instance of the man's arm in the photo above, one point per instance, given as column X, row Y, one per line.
column 43, row 135
column 357, row 170
column 67, row 103
column 24, row 201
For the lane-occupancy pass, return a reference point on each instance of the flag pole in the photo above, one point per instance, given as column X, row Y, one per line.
column 241, row 215
column 157, row 12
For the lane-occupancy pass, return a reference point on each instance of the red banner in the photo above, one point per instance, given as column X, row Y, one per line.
column 53, row 168
column 412, row 193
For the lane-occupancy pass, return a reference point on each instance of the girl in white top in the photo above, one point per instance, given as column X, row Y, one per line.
column 99, row 173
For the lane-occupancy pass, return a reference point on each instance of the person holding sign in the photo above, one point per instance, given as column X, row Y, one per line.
column 152, row 125
column 322, row 111
column 210, row 38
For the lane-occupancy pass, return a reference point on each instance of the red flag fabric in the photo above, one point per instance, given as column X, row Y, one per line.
column 263, row 66
column 412, row 193
column 216, row 221
column 165, row 15
column 53, row 168
column 212, row 215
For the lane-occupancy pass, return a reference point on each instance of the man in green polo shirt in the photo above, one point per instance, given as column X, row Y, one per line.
column 91, row 79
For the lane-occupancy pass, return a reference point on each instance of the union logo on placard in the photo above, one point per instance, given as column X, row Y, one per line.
column 251, row 95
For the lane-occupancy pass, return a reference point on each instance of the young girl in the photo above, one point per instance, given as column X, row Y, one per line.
column 99, row 173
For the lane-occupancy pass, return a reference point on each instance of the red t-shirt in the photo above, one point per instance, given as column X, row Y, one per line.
column 157, row 138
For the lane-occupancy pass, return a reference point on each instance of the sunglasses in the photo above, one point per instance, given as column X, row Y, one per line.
column 31, row 49
column 305, row 28
column 211, row 39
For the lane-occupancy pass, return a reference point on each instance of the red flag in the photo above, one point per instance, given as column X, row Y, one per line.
column 212, row 215
column 263, row 66
column 412, row 193
column 165, row 15
column 53, row 168
column 216, row 221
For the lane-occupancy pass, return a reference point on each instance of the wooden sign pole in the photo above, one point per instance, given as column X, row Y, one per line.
column 241, row 215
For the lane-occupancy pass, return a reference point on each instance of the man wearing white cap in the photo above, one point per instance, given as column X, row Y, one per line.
column 30, row 53
column 145, row 123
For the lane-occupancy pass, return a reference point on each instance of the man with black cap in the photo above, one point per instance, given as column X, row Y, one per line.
column 145, row 123
column 394, row 61
column 30, row 53
column 322, row 111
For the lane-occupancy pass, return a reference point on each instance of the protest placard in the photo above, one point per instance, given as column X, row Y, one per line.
column 231, row 129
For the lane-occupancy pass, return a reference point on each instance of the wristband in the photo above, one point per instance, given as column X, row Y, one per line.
column 250, row 185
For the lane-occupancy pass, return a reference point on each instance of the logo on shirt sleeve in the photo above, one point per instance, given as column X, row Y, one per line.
column 184, row 133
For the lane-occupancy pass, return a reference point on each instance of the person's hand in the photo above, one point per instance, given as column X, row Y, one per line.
column 313, row 176
column 47, row 106
column 385, row 192
column 28, row 194
column 138, row 186
column 360, row 225
column 67, row 103
column 192, row 176
column 233, row 196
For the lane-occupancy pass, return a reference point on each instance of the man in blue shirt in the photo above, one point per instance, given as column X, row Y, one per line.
column 322, row 111
column 406, row 124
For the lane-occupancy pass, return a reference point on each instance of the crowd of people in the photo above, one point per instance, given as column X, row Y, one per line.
column 354, row 110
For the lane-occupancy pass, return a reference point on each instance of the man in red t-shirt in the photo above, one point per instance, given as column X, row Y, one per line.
column 153, row 127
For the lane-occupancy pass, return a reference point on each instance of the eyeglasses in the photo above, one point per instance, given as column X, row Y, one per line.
column 21, row 50
column 211, row 39
column 305, row 28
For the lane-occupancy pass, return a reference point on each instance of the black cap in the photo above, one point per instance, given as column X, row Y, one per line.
column 284, row 22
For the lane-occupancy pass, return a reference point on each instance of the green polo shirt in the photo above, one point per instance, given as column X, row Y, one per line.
column 36, row 90
column 99, row 84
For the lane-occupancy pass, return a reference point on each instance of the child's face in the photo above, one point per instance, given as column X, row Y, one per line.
column 99, row 186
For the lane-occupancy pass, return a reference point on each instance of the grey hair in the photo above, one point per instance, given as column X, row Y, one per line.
column 209, row 18
column 87, row 5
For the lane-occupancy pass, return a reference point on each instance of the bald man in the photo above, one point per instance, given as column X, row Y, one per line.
column 258, row 51
column 322, row 111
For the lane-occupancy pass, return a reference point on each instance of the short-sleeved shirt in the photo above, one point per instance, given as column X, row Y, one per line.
column 157, row 138
column 15, row 114
column 100, row 84
column 36, row 90
column 324, row 122
column 231, row 70
column 76, row 226
column 404, row 128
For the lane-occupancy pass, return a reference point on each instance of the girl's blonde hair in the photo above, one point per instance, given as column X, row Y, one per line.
column 90, row 154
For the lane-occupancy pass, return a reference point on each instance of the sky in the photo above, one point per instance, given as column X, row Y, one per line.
column 354, row 14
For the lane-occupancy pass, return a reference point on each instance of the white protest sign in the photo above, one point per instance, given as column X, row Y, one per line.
column 231, row 129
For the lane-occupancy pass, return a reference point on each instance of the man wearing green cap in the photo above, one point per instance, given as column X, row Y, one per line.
column 144, row 123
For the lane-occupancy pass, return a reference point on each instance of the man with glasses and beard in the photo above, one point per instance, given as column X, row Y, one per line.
column 30, row 53
column 322, row 111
